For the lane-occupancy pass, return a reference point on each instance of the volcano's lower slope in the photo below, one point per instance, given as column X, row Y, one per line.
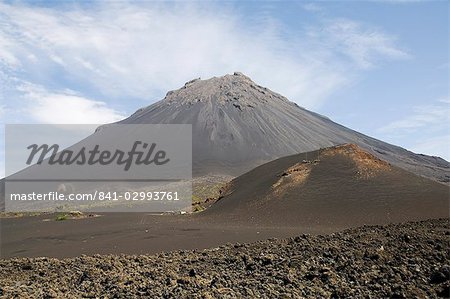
column 338, row 186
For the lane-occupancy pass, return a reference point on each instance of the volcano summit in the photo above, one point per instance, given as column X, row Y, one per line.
column 238, row 124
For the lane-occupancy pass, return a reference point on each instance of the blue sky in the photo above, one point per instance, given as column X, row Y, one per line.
column 378, row 67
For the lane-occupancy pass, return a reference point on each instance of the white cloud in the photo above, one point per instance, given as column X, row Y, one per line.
column 65, row 107
column 2, row 110
column 422, row 116
column 125, row 50
column 362, row 45
column 7, row 56
column 313, row 7
column 435, row 146
column 428, row 123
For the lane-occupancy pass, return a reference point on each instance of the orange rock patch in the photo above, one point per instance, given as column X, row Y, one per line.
column 368, row 165
column 294, row 175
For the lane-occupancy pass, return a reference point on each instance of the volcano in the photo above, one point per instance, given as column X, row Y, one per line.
column 340, row 186
column 238, row 125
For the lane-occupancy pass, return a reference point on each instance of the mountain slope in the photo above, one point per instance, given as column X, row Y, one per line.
column 338, row 186
column 238, row 125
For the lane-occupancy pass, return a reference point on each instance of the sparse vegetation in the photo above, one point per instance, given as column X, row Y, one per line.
column 18, row 214
column 197, row 208
column 206, row 190
column 62, row 217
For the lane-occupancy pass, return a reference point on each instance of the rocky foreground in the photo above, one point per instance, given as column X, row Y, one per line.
column 395, row 261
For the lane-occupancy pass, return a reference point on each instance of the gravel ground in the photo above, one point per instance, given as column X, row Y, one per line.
column 409, row 260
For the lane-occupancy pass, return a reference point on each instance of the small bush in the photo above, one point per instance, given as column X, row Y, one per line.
column 198, row 208
column 61, row 217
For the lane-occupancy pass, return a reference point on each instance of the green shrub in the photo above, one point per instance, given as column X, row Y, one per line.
column 61, row 217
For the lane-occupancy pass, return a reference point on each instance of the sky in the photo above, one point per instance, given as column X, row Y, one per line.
column 378, row 67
